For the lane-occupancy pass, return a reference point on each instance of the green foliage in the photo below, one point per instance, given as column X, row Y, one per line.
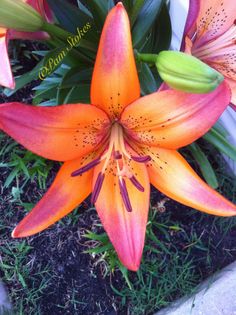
column 204, row 164
column 25, row 166
column 216, row 138
column 16, row 264
column 145, row 19
column 149, row 34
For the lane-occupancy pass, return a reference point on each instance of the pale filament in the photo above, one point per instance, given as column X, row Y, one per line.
column 218, row 45
column 117, row 151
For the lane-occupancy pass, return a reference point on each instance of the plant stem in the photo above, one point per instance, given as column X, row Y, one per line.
column 148, row 58
column 56, row 31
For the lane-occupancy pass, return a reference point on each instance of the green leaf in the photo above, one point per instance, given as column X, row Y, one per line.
column 84, row 9
column 136, row 8
column 216, row 139
column 69, row 16
column 11, row 177
column 220, row 129
column 22, row 280
column 100, row 249
column 147, row 80
column 75, row 86
column 97, row 237
column 74, row 20
column 76, row 76
column 24, row 79
column 145, row 20
column 78, row 94
column 110, row 5
column 99, row 10
column 161, row 33
column 205, row 166
column 62, row 95
column 48, row 63
column 128, row 5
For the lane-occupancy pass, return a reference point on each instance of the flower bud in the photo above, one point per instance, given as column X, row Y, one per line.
column 15, row 14
column 187, row 73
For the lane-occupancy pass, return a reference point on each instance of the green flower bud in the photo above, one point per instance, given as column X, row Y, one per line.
column 15, row 14
column 187, row 73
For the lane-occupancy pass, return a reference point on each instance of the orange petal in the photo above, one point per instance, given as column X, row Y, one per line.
column 59, row 133
column 215, row 18
column 126, row 230
column 172, row 175
column 115, row 82
column 172, row 119
column 6, row 77
column 63, row 196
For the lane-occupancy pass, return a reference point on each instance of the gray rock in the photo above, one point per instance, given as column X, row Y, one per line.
column 215, row 296
column 5, row 305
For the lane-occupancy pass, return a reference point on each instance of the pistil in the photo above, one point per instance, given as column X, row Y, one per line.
column 116, row 150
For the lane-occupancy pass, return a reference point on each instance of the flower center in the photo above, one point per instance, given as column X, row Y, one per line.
column 219, row 46
column 115, row 150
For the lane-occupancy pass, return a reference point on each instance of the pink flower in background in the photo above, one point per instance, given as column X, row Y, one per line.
column 210, row 35
column 6, row 77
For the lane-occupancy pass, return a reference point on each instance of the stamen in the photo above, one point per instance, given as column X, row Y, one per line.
column 141, row 159
column 97, row 187
column 125, row 195
column 86, row 167
column 136, row 183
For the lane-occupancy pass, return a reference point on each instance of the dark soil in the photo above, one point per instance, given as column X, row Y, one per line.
column 76, row 274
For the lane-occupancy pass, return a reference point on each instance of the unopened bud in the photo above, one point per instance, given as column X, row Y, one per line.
column 15, row 14
column 187, row 73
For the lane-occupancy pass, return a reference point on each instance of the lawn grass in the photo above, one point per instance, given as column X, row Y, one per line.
column 182, row 248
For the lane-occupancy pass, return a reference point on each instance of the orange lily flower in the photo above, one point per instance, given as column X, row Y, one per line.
column 6, row 77
column 117, row 146
column 210, row 36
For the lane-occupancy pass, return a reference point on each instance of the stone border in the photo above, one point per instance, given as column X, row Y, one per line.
column 215, row 296
column 5, row 305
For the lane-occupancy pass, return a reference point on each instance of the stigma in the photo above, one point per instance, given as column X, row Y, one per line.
column 116, row 152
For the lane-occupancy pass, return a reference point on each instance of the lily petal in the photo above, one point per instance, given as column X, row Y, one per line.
column 194, row 8
column 28, row 35
column 65, row 193
column 59, row 133
column 126, row 230
column 215, row 18
column 171, row 174
column 172, row 119
column 232, row 85
column 6, row 77
column 43, row 8
column 115, row 82
column 225, row 62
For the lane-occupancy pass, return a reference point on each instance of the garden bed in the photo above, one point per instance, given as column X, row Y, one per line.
column 50, row 273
